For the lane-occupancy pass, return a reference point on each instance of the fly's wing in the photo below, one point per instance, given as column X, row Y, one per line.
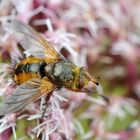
column 33, row 42
column 24, row 94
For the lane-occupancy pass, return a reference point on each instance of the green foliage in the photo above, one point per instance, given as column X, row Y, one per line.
column 23, row 128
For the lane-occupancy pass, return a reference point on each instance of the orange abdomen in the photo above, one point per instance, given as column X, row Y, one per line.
column 29, row 68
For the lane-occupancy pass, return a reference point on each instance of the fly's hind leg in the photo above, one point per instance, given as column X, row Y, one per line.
column 47, row 87
column 46, row 103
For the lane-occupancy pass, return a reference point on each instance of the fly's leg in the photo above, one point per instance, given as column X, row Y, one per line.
column 48, row 87
column 46, row 103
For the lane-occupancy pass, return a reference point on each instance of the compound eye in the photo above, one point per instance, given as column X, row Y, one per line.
column 81, row 83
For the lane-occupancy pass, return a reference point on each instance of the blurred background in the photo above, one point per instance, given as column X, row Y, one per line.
column 101, row 35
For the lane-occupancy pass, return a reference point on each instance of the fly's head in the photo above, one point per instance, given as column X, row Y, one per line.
column 81, row 80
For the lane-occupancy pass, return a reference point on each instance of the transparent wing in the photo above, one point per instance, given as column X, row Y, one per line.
column 24, row 94
column 33, row 42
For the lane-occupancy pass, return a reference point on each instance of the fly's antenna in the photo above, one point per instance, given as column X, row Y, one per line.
column 98, row 87
column 99, row 90
column 94, row 81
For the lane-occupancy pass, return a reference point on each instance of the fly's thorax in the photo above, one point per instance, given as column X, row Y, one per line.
column 60, row 72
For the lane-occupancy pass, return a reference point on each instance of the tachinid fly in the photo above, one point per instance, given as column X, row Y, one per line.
column 41, row 73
